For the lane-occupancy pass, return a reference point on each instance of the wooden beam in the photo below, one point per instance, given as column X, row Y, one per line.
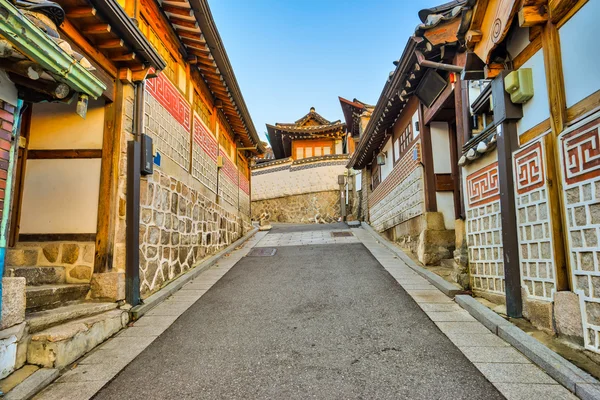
column 123, row 57
column 583, row 107
column 554, row 78
column 184, row 23
column 492, row 70
column 125, row 75
column 191, row 35
column 63, row 154
column 186, row 12
column 427, row 156
column 110, row 44
column 559, row 8
column 532, row 15
column 194, row 44
column 80, row 12
column 533, row 47
column 496, row 21
column 96, row 29
column 72, row 33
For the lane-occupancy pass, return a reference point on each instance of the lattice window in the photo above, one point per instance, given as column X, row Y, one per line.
column 172, row 67
column 203, row 111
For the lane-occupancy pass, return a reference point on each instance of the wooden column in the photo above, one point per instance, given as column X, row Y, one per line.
column 109, row 178
column 558, row 117
column 505, row 116
column 427, row 155
column 463, row 129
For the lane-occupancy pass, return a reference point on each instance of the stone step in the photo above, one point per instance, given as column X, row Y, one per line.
column 448, row 263
column 36, row 276
column 40, row 320
column 46, row 297
column 63, row 344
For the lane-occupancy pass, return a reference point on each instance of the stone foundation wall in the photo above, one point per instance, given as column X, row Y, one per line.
column 301, row 208
column 57, row 262
column 179, row 227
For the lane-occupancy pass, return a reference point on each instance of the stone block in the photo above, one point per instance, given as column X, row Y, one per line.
column 21, row 257
column 567, row 315
column 108, row 286
column 8, row 356
column 50, row 252
column 13, row 301
column 34, row 383
column 59, row 346
column 42, row 275
column 435, row 221
column 89, row 251
column 435, row 245
column 539, row 313
column 70, row 253
column 79, row 273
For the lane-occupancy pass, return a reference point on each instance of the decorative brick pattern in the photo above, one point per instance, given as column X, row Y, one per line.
column 170, row 135
column 482, row 186
column 178, row 228
column 534, row 227
column 405, row 166
column 170, row 98
column 405, row 201
column 580, row 158
column 204, row 155
column 484, row 239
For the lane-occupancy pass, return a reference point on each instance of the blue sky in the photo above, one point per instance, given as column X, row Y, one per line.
column 290, row 55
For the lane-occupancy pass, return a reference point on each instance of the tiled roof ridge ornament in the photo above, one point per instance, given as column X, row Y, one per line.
column 46, row 15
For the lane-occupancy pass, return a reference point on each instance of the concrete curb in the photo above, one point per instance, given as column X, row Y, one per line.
column 576, row 380
column 443, row 285
column 136, row 312
column 33, row 384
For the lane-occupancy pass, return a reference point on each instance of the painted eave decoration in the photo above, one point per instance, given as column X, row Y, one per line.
column 192, row 22
column 36, row 45
column 353, row 110
column 441, row 33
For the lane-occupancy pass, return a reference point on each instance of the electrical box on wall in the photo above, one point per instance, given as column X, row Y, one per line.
column 147, row 155
column 519, row 84
column 220, row 162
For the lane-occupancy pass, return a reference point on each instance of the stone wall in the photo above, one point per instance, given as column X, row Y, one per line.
column 179, row 226
column 282, row 178
column 400, row 196
column 579, row 151
column 301, row 208
column 55, row 262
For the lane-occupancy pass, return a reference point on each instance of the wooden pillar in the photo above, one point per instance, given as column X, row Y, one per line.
column 428, row 171
column 558, row 116
column 506, row 115
column 109, row 178
column 463, row 129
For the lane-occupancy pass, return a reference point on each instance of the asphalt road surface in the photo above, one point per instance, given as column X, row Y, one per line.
column 311, row 322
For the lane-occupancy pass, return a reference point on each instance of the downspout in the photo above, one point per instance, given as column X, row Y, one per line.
column 436, row 65
column 134, row 156
column 8, row 192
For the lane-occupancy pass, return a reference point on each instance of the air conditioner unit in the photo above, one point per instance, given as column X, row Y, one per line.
column 220, row 162
column 381, row 159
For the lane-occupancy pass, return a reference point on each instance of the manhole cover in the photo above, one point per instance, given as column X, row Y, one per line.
column 262, row 252
column 341, row 234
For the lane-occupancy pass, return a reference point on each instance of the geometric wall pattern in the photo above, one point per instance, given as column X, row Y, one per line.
column 580, row 162
column 534, row 227
column 484, row 230
column 204, row 155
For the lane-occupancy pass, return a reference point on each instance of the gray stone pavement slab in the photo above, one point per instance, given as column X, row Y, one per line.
column 511, row 373
column 451, row 316
column 527, row 391
column 502, row 354
column 478, row 340
column 311, row 322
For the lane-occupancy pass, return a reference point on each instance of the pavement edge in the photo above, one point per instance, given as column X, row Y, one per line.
column 440, row 283
column 584, row 385
column 155, row 299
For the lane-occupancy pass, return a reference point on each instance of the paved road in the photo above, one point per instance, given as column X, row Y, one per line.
column 313, row 321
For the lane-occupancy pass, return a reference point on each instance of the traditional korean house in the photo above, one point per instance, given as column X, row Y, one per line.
column 408, row 152
column 304, row 182
column 131, row 144
column 530, row 164
column 356, row 115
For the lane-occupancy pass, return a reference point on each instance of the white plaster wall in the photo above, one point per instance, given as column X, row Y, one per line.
column 415, row 124
column 580, row 47
column 387, row 168
column 339, row 147
column 8, row 90
column 537, row 109
column 60, row 196
column 358, row 181
column 440, row 142
column 57, row 126
column 445, row 205
column 287, row 182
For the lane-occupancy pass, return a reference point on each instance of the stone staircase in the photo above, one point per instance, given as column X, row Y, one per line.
column 62, row 322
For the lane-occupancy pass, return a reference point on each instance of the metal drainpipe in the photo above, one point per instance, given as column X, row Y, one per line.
column 134, row 156
column 4, row 225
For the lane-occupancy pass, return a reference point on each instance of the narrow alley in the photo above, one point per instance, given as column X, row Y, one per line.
column 308, row 311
